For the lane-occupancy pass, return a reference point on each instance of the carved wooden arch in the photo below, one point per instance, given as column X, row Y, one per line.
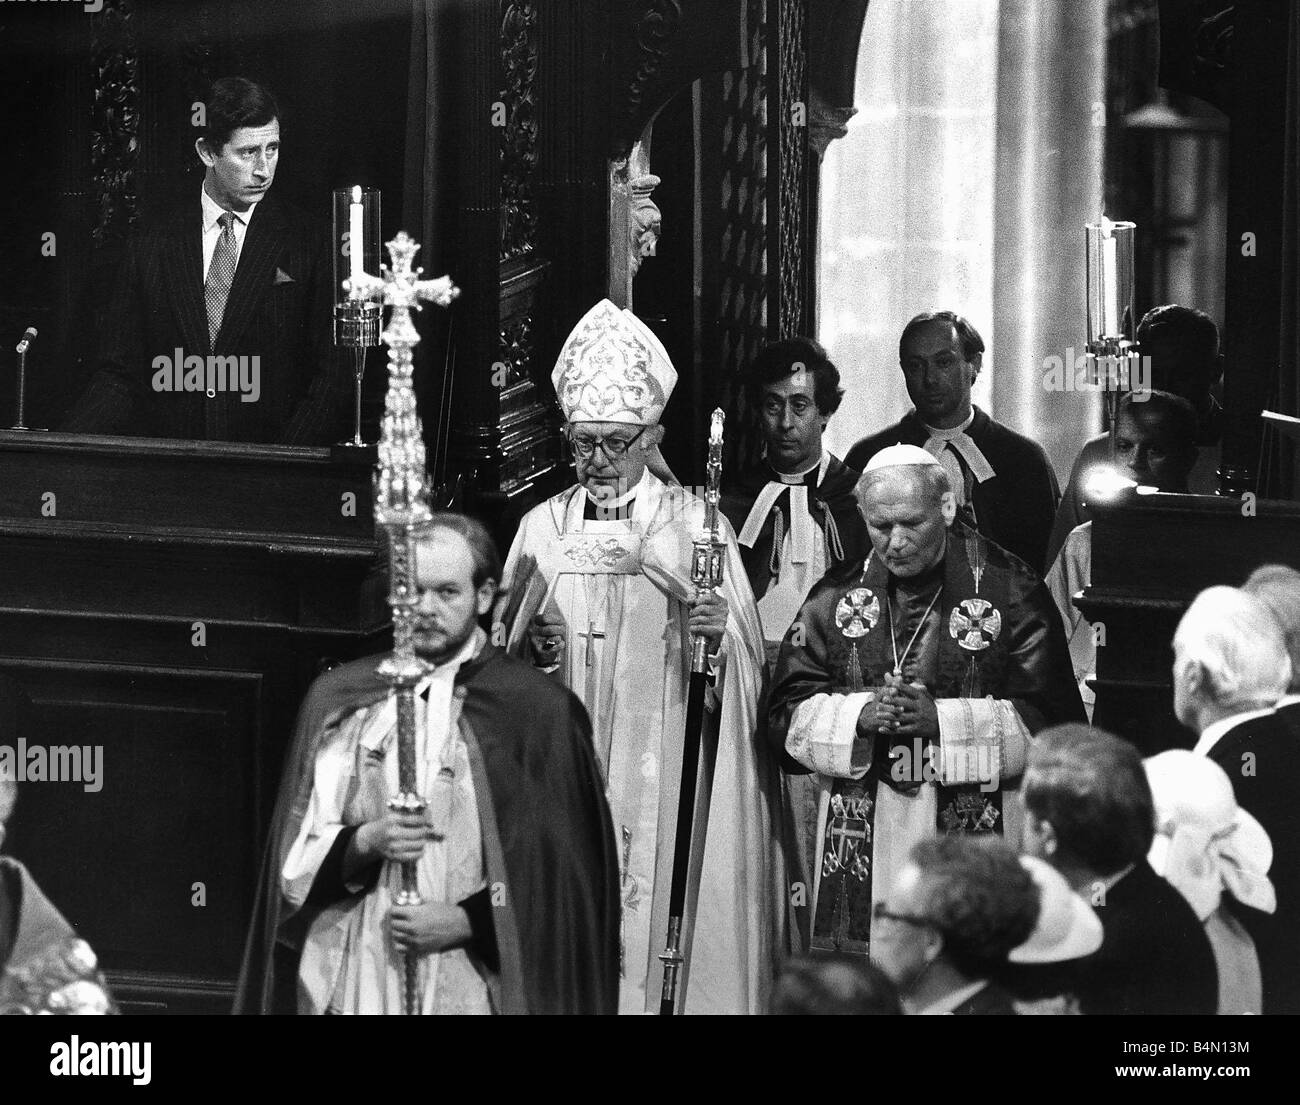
column 661, row 47
column 834, row 40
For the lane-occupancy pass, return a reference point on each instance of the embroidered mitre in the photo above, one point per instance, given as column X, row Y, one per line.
column 612, row 368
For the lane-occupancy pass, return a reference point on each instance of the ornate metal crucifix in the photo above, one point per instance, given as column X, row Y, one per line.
column 401, row 507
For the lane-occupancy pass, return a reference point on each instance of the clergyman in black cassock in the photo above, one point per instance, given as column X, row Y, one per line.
column 979, row 650
column 1003, row 482
column 832, row 505
column 1015, row 505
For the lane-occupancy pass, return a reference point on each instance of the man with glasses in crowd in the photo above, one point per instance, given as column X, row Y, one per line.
column 598, row 591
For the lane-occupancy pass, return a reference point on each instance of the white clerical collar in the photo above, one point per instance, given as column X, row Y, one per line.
column 951, row 431
column 801, row 521
column 618, row 500
column 949, row 1002
column 212, row 211
column 819, row 466
column 1216, row 730
column 1287, row 700
column 942, row 444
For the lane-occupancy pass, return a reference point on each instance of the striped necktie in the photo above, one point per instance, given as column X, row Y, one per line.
column 221, row 274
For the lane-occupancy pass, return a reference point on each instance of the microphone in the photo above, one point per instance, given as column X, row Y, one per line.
column 28, row 334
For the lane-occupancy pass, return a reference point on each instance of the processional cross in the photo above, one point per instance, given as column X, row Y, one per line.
column 401, row 508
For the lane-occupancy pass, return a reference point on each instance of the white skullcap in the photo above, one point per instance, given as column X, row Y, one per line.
column 612, row 368
column 1205, row 843
column 893, row 455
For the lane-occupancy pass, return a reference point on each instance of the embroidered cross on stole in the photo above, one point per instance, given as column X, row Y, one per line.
column 596, row 556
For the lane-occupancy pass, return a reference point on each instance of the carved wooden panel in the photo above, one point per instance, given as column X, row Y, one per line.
column 791, row 250
column 519, row 136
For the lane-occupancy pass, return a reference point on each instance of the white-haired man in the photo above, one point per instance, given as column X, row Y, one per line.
column 1230, row 669
column 911, row 683
column 1277, row 586
column 600, row 593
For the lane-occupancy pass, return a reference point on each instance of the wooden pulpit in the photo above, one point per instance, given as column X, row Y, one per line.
column 1151, row 555
column 168, row 603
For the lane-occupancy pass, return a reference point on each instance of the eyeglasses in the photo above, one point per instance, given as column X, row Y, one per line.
column 613, row 446
column 881, row 912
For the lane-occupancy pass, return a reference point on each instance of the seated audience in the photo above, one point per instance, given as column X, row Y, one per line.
column 1231, row 668
column 1088, row 812
column 1039, row 973
column 1205, row 845
column 957, row 908
column 843, row 985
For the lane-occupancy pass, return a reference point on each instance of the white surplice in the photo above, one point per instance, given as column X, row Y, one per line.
column 621, row 588
column 349, row 963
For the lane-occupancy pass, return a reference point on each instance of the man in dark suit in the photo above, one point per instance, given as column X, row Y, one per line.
column 220, row 324
column 1004, row 484
column 1230, row 668
column 1089, row 813
column 957, row 909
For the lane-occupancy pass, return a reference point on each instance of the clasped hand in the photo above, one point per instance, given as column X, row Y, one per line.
column 902, row 709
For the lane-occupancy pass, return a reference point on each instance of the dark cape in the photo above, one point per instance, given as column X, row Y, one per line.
column 1014, row 509
column 831, row 503
column 547, row 837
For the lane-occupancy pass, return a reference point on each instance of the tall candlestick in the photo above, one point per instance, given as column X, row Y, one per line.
column 356, row 236
column 1110, row 320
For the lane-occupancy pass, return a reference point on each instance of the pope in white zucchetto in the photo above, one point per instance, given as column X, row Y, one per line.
column 598, row 590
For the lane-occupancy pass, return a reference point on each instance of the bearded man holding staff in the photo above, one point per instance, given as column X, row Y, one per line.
column 600, row 594
column 911, row 683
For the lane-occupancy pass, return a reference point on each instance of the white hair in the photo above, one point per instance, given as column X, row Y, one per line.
column 1237, row 641
column 1278, row 587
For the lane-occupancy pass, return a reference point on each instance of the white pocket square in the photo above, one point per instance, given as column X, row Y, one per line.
column 282, row 277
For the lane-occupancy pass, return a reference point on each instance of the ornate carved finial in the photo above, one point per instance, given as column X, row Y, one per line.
column 644, row 218
column 401, row 488
column 826, row 122
column 634, row 219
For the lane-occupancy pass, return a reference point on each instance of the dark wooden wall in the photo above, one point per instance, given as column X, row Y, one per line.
column 100, row 123
column 170, row 606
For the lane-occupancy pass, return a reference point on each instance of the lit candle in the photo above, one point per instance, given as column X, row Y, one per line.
column 1110, row 321
column 356, row 237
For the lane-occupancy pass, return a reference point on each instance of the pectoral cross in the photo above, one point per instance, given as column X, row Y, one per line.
column 592, row 634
